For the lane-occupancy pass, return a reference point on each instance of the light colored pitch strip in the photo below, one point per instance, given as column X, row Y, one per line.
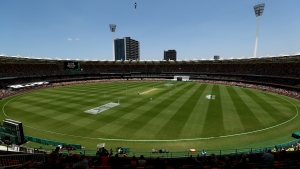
column 102, row 108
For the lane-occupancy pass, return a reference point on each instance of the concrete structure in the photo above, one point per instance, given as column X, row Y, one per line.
column 216, row 57
column 112, row 28
column 258, row 9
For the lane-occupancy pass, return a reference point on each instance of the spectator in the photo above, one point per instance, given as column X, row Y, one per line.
column 53, row 157
column 243, row 163
column 227, row 164
column 158, row 163
column 214, row 162
column 133, row 162
column 110, row 152
column 82, row 163
column 142, row 161
column 268, row 156
column 26, row 164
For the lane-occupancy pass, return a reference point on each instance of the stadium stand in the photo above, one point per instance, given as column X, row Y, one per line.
column 57, row 160
column 281, row 72
column 274, row 74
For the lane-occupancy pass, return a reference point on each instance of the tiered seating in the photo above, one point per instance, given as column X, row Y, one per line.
column 25, row 70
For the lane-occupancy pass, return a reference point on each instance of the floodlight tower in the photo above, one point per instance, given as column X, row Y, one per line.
column 113, row 29
column 258, row 9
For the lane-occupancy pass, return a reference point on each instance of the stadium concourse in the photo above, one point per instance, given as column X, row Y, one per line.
column 274, row 74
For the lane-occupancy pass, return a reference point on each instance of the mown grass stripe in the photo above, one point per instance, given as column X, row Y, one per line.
column 247, row 117
column 166, row 110
column 180, row 117
column 43, row 121
column 264, row 118
column 278, row 100
column 147, row 115
column 195, row 124
column 214, row 119
column 231, row 119
column 115, row 117
column 49, row 100
column 86, row 90
column 202, row 108
column 273, row 112
column 131, row 110
column 104, row 87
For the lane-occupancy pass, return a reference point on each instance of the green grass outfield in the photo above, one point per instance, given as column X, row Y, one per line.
column 181, row 116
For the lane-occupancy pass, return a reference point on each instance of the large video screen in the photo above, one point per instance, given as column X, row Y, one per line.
column 15, row 129
column 72, row 66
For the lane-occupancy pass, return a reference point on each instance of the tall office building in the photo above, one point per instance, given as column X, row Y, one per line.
column 170, row 55
column 216, row 57
column 127, row 49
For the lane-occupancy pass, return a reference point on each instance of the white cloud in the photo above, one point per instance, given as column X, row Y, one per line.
column 70, row 39
column 77, row 39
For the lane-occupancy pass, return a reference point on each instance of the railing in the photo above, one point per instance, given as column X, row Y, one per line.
column 179, row 154
column 50, row 142
column 18, row 159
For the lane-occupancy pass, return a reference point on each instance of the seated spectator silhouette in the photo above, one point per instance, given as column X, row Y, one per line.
column 268, row 156
column 26, row 164
column 243, row 163
column 82, row 163
column 142, row 161
column 133, row 162
column 227, row 164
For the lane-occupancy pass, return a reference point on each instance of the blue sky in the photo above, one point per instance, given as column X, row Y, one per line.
column 196, row 29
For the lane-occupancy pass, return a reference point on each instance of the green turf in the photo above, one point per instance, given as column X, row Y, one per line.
column 181, row 116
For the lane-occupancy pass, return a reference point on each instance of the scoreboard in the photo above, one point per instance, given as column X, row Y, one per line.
column 13, row 131
column 72, row 66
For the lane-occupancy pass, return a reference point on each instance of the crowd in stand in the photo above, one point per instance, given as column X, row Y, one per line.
column 7, row 93
column 291, row 83
column 267, row 159
column 80, row 82
column 269, row 69
column 26, row 70
column 281, row 91
column 267, row 73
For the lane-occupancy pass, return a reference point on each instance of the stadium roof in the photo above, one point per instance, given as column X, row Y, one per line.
column 264, row 59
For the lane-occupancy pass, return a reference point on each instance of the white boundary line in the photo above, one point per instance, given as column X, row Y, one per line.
column 173, row 140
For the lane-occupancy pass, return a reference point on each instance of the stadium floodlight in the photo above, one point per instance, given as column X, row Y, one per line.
column 258, row 9
column 113, row 29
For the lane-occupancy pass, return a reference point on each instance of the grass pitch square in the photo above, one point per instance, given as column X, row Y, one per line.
column 102, row 108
